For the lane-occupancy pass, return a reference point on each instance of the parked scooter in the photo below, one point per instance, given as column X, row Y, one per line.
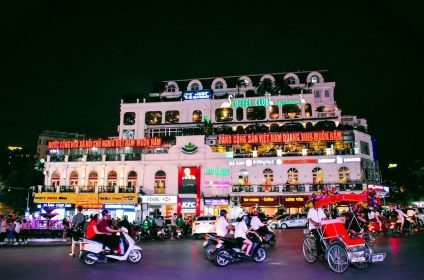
column 92, row 251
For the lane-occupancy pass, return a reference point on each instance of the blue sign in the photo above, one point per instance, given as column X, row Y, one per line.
column 120, row 206
column 197, row 94
column 56, row 205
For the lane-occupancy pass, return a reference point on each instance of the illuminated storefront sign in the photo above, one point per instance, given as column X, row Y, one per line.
column 217, row 171
column 57, row 205
column 189, row 179
column 284, row 137
column 105, row 143
column 260, row 200
column 119, row 206
column 157, row 199
column 216, row 201
column 235, row 103
column 188, row 205
column 86, row 198
column 127, row 198
column 250, row 162
column 197, row 94
column 217, row 183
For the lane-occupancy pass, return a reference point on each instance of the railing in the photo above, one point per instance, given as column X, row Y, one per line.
column 67, row 189
column 126, row 189
column 113, row 157
column 57, row 158
column 94, row 157
column 106, row 189
column 293, row 188
column 268, row 188
column 243, row 188
column 87, row 189
column 351, row 187
column 75, row 158
column 129, row 157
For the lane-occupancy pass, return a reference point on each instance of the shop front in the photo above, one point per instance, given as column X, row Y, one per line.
column 294, row 204
column 267, row 204
column 121, row 210
column 153, row 205
column 189, row 190
column 212, row 205
column 188, row 207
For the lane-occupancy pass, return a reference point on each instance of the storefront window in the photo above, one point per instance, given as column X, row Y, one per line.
column 132, row 179
column 273, row 112
column 92, row 179
column 243, row 177
column 73, row 179
column 224, row 115
column 292, row 111
column 112, row 178
column 317, row 176
column 55, row 179
column 292, row 176
column 268, row 179
column 344, row 175
column 153, row 117
column 172, row 117
column 160, row 182
column 239, row 114
column 197, row 116
column 129, row 118
column 256, row 113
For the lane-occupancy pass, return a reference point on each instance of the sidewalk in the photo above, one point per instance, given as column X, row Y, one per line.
column 37, row 242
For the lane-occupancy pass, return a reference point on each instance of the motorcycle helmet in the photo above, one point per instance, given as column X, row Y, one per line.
column 223, row 212
column 256, row 213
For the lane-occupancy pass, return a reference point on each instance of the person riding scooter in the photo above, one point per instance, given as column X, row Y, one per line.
column 240, row 233
column 112, row 241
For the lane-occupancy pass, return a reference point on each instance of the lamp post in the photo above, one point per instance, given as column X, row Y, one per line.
column 29, row 190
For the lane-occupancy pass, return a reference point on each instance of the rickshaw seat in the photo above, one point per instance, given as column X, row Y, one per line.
column 333, row 229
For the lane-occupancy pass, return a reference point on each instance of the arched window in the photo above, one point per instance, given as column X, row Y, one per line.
column 153, row 117
column 195, row 86
column 291, row 80
column 73, row 179
column 172, row 88
column 292, row 111
column 129, row 118
column 273, row 112
column 92, row 179
column 172, row 117
column 268, row 179
column 197, row 116
column 344, row 175
column 224, row 114
column 243, row 177
column 112, row 179
column 292, row 176
column 317, row 176
column 256, row 113
column 160, row 182
column 314, row 79
column 55, row 179
column 239, row 113
column 132, row 180
column 308, row 110
column 219, row 85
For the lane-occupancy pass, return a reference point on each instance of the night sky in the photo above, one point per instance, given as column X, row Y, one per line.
column 65, row 65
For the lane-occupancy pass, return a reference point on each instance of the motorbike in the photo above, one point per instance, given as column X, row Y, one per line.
column 394, row 228
column 267, row 234
column 230, row 250
column 182, row 232
column 92, row 251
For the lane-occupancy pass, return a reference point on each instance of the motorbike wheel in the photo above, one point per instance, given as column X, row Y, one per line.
column 87, row 258
column 309, row 249
column 135, row 256
column 260, row 255
column 337, row 257
column 271, row 242
column 137, row 238
column 284, row 226
column 209, row 252
column 222, row 258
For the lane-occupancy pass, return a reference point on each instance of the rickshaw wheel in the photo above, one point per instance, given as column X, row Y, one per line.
column 361, row 265
column 337, row 257
column 309, row 249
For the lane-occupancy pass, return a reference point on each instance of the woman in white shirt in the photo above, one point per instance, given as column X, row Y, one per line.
column 240, row 233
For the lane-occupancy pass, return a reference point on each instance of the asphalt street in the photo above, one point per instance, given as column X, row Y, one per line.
column 184, row 260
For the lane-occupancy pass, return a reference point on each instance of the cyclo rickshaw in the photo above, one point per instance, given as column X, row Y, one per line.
column 340, row 249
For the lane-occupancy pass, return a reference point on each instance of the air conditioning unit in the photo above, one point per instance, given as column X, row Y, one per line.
column 235, row 199
column 212, row 142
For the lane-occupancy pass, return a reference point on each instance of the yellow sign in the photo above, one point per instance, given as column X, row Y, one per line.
column 54, row 197
column 294, row 199
column 119, row 198
column 86, row 198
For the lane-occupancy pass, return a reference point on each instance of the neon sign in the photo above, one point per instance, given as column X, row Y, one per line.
column 235, row 103
column 217, row 171
column 284, row 137
column 197, row 94
column 105, row 143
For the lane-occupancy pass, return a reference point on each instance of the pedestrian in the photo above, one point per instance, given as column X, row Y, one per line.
column 78, row 224
column 10, row 230
column 17, row 223
column 66, row 227
column 173, row 225
column 24, row 231
column 3, row 229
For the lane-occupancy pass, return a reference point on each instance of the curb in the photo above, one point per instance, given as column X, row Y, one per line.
column 38, row 243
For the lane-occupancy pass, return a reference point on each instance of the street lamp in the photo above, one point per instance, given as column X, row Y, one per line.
column 29, row 190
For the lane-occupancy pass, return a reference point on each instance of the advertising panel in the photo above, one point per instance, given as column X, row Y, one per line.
column 189, row 180
column 119, row 198
column 188, row 205
column 159, row 199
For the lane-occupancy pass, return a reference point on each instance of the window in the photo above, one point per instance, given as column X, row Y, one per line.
column 344, row 175
column 256, row 113
column 243, row 177
column 273, row 112
column 92, row 179
column 73, row 179
column 132, row 179
column 128, row 134
column 195, row 86
column 365, row 148
column 172, row 88
column 112, row 179
column 129, row 118
column 55, row 179
column 292, row 111
column 160, row 182
column 314, row 79
column 172, row 117
column 219, row 85
column 154, row 117
column 308, row 110
column 317, row 176
column 326, row 93
column 268, row 179
column 224, row 115
column 239, row 114
column 317, row 93
column 197, row 116
column 292, row 176
column 291, row 80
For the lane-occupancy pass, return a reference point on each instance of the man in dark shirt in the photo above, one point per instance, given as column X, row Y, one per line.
column 77, row 223
column 112, row 241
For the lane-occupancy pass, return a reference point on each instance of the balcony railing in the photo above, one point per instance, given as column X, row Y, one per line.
column 243, row 188
column 87, row 189
column 106, row 189
column 268, row 188
column 293, row 188
column 130, row 157
column 126, row 189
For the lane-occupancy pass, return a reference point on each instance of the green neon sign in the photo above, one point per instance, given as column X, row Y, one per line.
column 235, row 103
column 217, row 171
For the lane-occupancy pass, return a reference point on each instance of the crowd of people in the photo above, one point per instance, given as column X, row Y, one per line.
column 13, row 230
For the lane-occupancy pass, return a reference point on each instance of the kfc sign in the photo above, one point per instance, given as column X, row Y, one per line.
column 188, row 205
